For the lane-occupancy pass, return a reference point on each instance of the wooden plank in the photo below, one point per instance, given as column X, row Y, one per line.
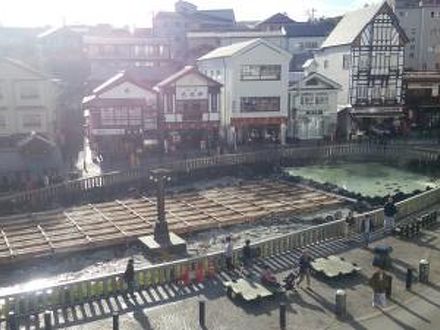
column 5, row 238
column 134, row 212
column 75, row 224
column 107, row 219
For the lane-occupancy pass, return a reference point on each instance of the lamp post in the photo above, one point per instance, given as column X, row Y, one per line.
column 161, row 233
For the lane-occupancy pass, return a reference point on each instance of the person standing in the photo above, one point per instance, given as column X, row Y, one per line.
column 366, row 229
column 229, row 253
column 389, row 211
column 247, row 254
column 378, row 283
column 349, row 223
column 129, row 276
column 304, row 268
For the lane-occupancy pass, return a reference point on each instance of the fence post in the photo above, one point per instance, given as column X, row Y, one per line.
column 424, row 271
column 12, row 321
column 115, row 317
column 409, row 276
column 47, row 320
column 282, row 316
column 202, row 313
column 341, row 303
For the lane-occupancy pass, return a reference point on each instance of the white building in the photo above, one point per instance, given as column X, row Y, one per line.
column 255, row 78
column 313, row 107
column 365, row 55
column 28, row 100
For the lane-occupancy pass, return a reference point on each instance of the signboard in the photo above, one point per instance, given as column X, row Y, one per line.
column 192, row 93
column 108, row 131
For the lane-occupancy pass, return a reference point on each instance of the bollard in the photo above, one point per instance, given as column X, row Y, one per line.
column 12, row 321
column 341, row 303
column 282, row 316
column 115, row 321
column 409, row 278
column 47, row 320
column 202, row 314
column 424, row 271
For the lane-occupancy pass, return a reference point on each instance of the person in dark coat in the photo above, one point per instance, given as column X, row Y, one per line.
column 129, row 276
column 389, row 211
column 304, row 268
column 379, row 283
column 247, row 254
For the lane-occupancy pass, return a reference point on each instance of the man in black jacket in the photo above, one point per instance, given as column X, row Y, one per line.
column 389, row 211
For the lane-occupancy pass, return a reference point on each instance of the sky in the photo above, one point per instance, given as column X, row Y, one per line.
column 139, row 12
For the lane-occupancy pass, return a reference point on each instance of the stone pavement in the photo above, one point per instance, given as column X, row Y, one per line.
column 170, row 308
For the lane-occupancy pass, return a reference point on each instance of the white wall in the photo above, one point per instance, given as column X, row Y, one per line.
column 335, row 70
column 127, row 90
column 14, row 110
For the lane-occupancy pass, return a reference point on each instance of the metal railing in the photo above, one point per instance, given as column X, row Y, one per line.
column 24, row 302
column 72, row 191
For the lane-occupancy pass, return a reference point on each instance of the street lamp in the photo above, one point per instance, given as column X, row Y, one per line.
column 161, row 233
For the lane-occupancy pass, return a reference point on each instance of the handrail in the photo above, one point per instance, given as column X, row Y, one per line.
column 300, row 152
column 76, row 291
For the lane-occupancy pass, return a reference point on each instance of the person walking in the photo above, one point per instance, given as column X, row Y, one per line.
column 229, row 253
column 390, row 212
column 366, row 227
column 129, row 276
column 379, row 283
column 304, row 268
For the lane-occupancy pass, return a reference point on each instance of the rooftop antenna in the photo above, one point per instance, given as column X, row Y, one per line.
column 311, row 13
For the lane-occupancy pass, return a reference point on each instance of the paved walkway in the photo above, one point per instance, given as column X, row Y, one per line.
column 170, row 307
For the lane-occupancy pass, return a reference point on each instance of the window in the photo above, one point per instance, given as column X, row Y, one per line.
column 321, row 98
column 326, row 64
column 29, row 91
column 214, row 102
column 345, row 62
column 307, row 99
column 251, row 104
column 411, row 55
column 122, row 116
column 260, row 72
column 31, row 121
column 362, row 93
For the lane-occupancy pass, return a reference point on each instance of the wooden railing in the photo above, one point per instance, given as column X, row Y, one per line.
column 24, row 302
column 67, row 193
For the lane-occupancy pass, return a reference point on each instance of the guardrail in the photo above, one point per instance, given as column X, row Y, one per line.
column 26, row 302
column 67, row 193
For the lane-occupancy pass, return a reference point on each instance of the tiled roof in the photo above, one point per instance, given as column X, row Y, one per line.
column 186, row 70
column 278, row 19
column 309, row 29
column 228, row 51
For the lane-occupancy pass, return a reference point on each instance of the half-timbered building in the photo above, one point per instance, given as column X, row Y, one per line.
column 365, row 55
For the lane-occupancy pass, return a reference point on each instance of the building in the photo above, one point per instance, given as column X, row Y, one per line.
column 135, row 109
column 423, row 100
column 365, row 55
column 28, row 119
column 313, row 107
column 421, row 22
column 297, row 38
column 187, row 17
column 190, row 102
column 110, row 53
column 120, row 115
column 28, row 100
column 255, row 78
